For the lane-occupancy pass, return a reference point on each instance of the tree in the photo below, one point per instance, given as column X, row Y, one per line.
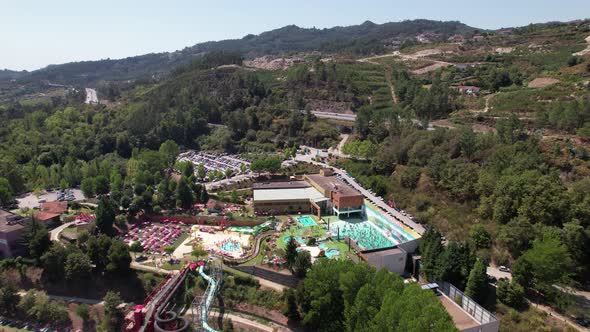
column 186, row 168
column 409, row 177
column 479, row 237
column 97, row 248
column 105, row 216
column 77, row 267
column 87, row 187
column 510, row 293
column 201, row 171
column 169, row 149
column 228, row 172
column 430, row 247
column 549, row 263
column 302, row 263
column 8, row 298
column 291, row 309
column 112, row 318
column 54, row 261
column 169, row 250
column 291, row 252
column 83, row 312
column 203, row 196
column 234, row 196
column 184, row 195
column 6, row 196
column 136, row 247
column 37, row 239
column 119, row 258
column 454, row 264
column 477, row 284
column 101, row 185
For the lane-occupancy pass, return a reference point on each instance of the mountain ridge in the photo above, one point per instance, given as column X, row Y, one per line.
column 362, row 39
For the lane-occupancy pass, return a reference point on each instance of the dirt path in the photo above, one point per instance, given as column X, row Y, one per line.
column 586, row 50
column 251, row 321
column 487, row 107
column 561, row 317
column 391, row 86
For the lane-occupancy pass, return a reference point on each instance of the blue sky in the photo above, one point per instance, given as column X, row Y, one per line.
column 36, row 33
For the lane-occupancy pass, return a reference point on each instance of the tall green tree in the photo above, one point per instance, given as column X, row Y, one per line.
column 291, row 252
column 36, row 238
column 6, row 195
column 302, row 263
column 477, row 284
column 184, row 194
column 169, row 149
column 105, row 216
column 78, row 267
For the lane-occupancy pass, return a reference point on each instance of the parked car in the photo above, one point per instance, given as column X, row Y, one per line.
column 503, row 268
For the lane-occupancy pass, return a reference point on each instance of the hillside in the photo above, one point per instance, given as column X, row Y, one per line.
column 366, row 38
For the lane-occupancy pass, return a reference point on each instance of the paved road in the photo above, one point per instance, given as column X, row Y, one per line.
column 495, row 272
column 335, row 116
column 338, row 150
column 398, row 217
column 54, row 233
column 91, row 97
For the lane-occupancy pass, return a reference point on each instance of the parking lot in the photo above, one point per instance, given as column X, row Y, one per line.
column 31, row 201
column 216, row 162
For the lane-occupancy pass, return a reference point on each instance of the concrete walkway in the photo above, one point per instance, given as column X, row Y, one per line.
column 54, row 233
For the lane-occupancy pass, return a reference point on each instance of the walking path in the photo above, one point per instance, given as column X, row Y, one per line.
column 557, row 315
column 54, row 233
column 240, row 319
column 146, row 268
column 67, row 298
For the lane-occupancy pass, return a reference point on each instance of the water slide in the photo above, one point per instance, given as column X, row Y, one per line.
column 212, row 288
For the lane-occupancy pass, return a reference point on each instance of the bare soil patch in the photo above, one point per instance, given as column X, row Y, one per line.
column 541, row 82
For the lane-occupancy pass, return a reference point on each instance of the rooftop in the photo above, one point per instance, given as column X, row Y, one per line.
column 280, row 185
column 333, row 184
column 54, row 207
column 45, row 215
column 6, row 224
column 286, row 194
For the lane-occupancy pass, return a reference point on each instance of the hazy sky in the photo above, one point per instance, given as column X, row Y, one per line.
column 41, row 32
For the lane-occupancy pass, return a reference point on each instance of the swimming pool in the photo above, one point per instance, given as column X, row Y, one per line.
column 306, row 221
column 231, row 246
column 365, row 233
column 387, row 225
column 331, row 253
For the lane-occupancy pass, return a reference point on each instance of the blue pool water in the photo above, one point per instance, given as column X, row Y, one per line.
column 365, row 233
column 306, row 221
column 230, row 246
column 297, row 238
column 331, row 253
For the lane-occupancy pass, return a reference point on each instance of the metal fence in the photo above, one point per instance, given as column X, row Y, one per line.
column 487, row 321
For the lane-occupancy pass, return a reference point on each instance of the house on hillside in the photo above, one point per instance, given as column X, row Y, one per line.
column 468, row 89
column 478, row 38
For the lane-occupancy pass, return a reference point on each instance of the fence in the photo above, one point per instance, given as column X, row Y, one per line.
column 204, row 220
column 488, row 322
